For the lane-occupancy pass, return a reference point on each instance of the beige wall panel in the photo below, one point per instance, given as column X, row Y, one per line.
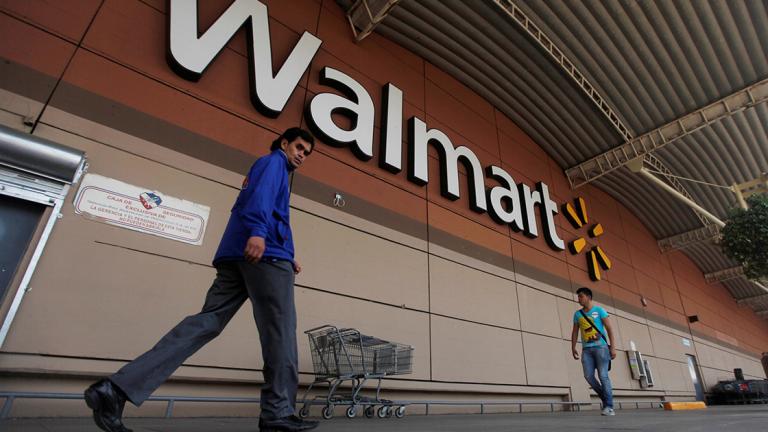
column 545, row 360
column 749, row 367
column 669, row 346
column 621, row 377
column 121, row 306
column 670, row 375
column 13, row 121
column 617, row 331
column 468, row 261
column 705, row 355
column 469, row 352
column 732, row 361
column 627, row 315
column 14, row 109
column 117, row 139
column 344, row 260
column 723, row 357
column 715, row 357
column 580, row 390
column 538, row 312
column 138, row 171
column 755, row 369
column 315, row 308
column 668, row 329
column 565, row 310
column 721, row 363
column 352, row 221
column 633, row 331
column 463, row 292
column 712, row 376
column 543, row 286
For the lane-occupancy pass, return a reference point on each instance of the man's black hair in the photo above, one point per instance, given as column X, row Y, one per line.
column 587, row 292
column 291, row 134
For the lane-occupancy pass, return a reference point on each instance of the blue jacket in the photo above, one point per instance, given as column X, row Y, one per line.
column 261, row 210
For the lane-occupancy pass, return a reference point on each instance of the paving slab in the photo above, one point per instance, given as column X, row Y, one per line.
column 721, row 419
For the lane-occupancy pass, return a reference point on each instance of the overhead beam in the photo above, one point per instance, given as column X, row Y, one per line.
column 724, row 275
column 746, row 300
column 365, row 15
column 634, row 148
column 690, row 238
column 752, row 187
column 546, row 44
column 566, row 65
column 674, row 186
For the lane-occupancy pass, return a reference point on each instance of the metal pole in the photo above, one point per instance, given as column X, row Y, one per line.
column 7, row 407
column 169, row 409
column 644, row 172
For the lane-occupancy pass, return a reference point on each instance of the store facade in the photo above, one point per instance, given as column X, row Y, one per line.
column 425, row 216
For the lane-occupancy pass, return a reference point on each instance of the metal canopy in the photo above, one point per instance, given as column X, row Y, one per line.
column 39, row 156
column 651, row 63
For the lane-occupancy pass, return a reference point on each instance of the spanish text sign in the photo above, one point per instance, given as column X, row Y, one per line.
column 114, row 202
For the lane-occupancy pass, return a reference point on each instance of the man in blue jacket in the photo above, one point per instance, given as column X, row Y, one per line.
column 255, row 260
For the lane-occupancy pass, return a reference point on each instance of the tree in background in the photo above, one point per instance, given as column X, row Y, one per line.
column 745, row 237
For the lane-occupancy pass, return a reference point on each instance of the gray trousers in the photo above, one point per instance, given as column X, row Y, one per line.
column 269, row 285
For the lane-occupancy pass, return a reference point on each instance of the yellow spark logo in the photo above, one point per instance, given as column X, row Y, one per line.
column 596, row 257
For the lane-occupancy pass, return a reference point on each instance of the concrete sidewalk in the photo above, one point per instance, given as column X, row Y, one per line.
column 746, row 418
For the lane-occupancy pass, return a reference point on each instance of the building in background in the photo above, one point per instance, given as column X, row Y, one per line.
column 402, row 244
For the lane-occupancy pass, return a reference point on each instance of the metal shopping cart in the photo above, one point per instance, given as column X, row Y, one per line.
column 340, row 355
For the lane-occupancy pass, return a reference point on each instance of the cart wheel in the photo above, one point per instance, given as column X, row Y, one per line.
column 370, row 411
column 304, row 412
column 351, row 411
column 400, row 412
column 383, row 410
column 327, row 412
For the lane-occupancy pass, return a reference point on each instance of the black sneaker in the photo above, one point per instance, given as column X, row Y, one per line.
column 290, row 423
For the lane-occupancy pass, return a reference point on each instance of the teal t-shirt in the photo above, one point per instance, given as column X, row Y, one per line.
column 590, row 337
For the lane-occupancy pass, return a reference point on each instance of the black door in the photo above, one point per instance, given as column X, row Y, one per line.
column 18, row 221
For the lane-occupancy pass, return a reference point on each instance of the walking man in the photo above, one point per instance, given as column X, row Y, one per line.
column 255, row 260
column 596, row 351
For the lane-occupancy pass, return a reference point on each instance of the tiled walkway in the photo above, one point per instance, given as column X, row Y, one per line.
column 720, row 419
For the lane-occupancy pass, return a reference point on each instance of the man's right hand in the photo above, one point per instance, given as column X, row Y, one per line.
column 575, row 354
column 254, row 249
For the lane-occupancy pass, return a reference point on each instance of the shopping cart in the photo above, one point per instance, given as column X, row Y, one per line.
column 340, row 355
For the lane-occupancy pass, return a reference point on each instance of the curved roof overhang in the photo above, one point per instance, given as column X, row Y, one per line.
column 585, row 78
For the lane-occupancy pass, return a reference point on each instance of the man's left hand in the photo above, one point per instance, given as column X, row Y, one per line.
column 613, row 353
column 296, row 267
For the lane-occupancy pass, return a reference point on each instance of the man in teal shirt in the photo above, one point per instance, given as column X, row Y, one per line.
column 592, row 321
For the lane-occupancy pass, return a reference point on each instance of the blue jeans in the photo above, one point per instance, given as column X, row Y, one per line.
column 598, row 358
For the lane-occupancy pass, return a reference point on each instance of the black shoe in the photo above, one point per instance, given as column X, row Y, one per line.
column 107, row 403
column 286, row 424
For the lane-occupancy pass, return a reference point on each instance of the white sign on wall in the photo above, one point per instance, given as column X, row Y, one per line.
column 114, row 202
